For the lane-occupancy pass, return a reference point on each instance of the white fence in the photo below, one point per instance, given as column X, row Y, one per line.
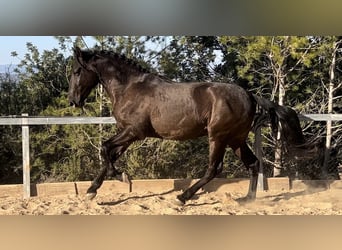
column 25, row 121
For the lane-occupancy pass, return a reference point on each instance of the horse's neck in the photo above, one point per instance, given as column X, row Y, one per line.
column 115, row 89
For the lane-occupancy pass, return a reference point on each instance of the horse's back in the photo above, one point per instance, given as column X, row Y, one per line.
column 189, row 110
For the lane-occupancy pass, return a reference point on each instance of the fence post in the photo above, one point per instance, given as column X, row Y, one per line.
column 26, row 156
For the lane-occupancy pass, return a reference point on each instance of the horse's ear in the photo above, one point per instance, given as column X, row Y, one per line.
column 79, row 55
column 77, row 52
column 85, row 58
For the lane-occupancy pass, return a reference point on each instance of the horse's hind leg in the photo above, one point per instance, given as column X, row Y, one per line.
column 251, row 162
column 216, row 153
column 111, row 150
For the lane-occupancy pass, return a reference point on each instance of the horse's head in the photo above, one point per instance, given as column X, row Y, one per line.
column 83, row 77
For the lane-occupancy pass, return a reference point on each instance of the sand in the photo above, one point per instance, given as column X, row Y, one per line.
column 294, row 202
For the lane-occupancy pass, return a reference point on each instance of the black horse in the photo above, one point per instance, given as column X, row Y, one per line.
column 148, row 105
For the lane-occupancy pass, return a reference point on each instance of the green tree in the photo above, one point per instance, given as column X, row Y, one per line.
column 276, row 66
column 10, row 146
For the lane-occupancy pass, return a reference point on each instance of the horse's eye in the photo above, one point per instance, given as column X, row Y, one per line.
column 78, row 71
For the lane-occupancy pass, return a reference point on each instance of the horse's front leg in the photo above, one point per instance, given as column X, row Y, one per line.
column 111, row 150
column 216, row 153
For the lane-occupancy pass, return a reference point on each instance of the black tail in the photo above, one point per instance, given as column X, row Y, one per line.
column 291, row 131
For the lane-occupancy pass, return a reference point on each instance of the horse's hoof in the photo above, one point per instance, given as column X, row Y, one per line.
column 246, row 199
column 90, row 196
column 179, row 201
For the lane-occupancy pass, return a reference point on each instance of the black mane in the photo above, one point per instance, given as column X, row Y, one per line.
column 132, row 63
column 129, row 63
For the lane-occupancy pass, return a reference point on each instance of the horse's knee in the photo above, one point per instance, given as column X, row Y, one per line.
column 105, row 151
column 107, row 158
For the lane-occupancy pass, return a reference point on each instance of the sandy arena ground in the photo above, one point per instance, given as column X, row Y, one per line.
column 299, row 202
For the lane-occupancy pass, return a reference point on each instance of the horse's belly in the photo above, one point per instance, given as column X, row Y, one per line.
column 179, row 129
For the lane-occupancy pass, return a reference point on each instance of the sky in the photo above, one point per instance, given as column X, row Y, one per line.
column 9, row 44
column 18, row 44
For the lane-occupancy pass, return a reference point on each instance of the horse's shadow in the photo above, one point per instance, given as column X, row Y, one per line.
column 241, row 201
column 290, row 195
column 135, row 197
column 138, row 197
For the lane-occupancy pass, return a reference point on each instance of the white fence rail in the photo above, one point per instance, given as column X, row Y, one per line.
column 45, row 120
column 25, row 121
column 54, row 120
column 320, row 117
